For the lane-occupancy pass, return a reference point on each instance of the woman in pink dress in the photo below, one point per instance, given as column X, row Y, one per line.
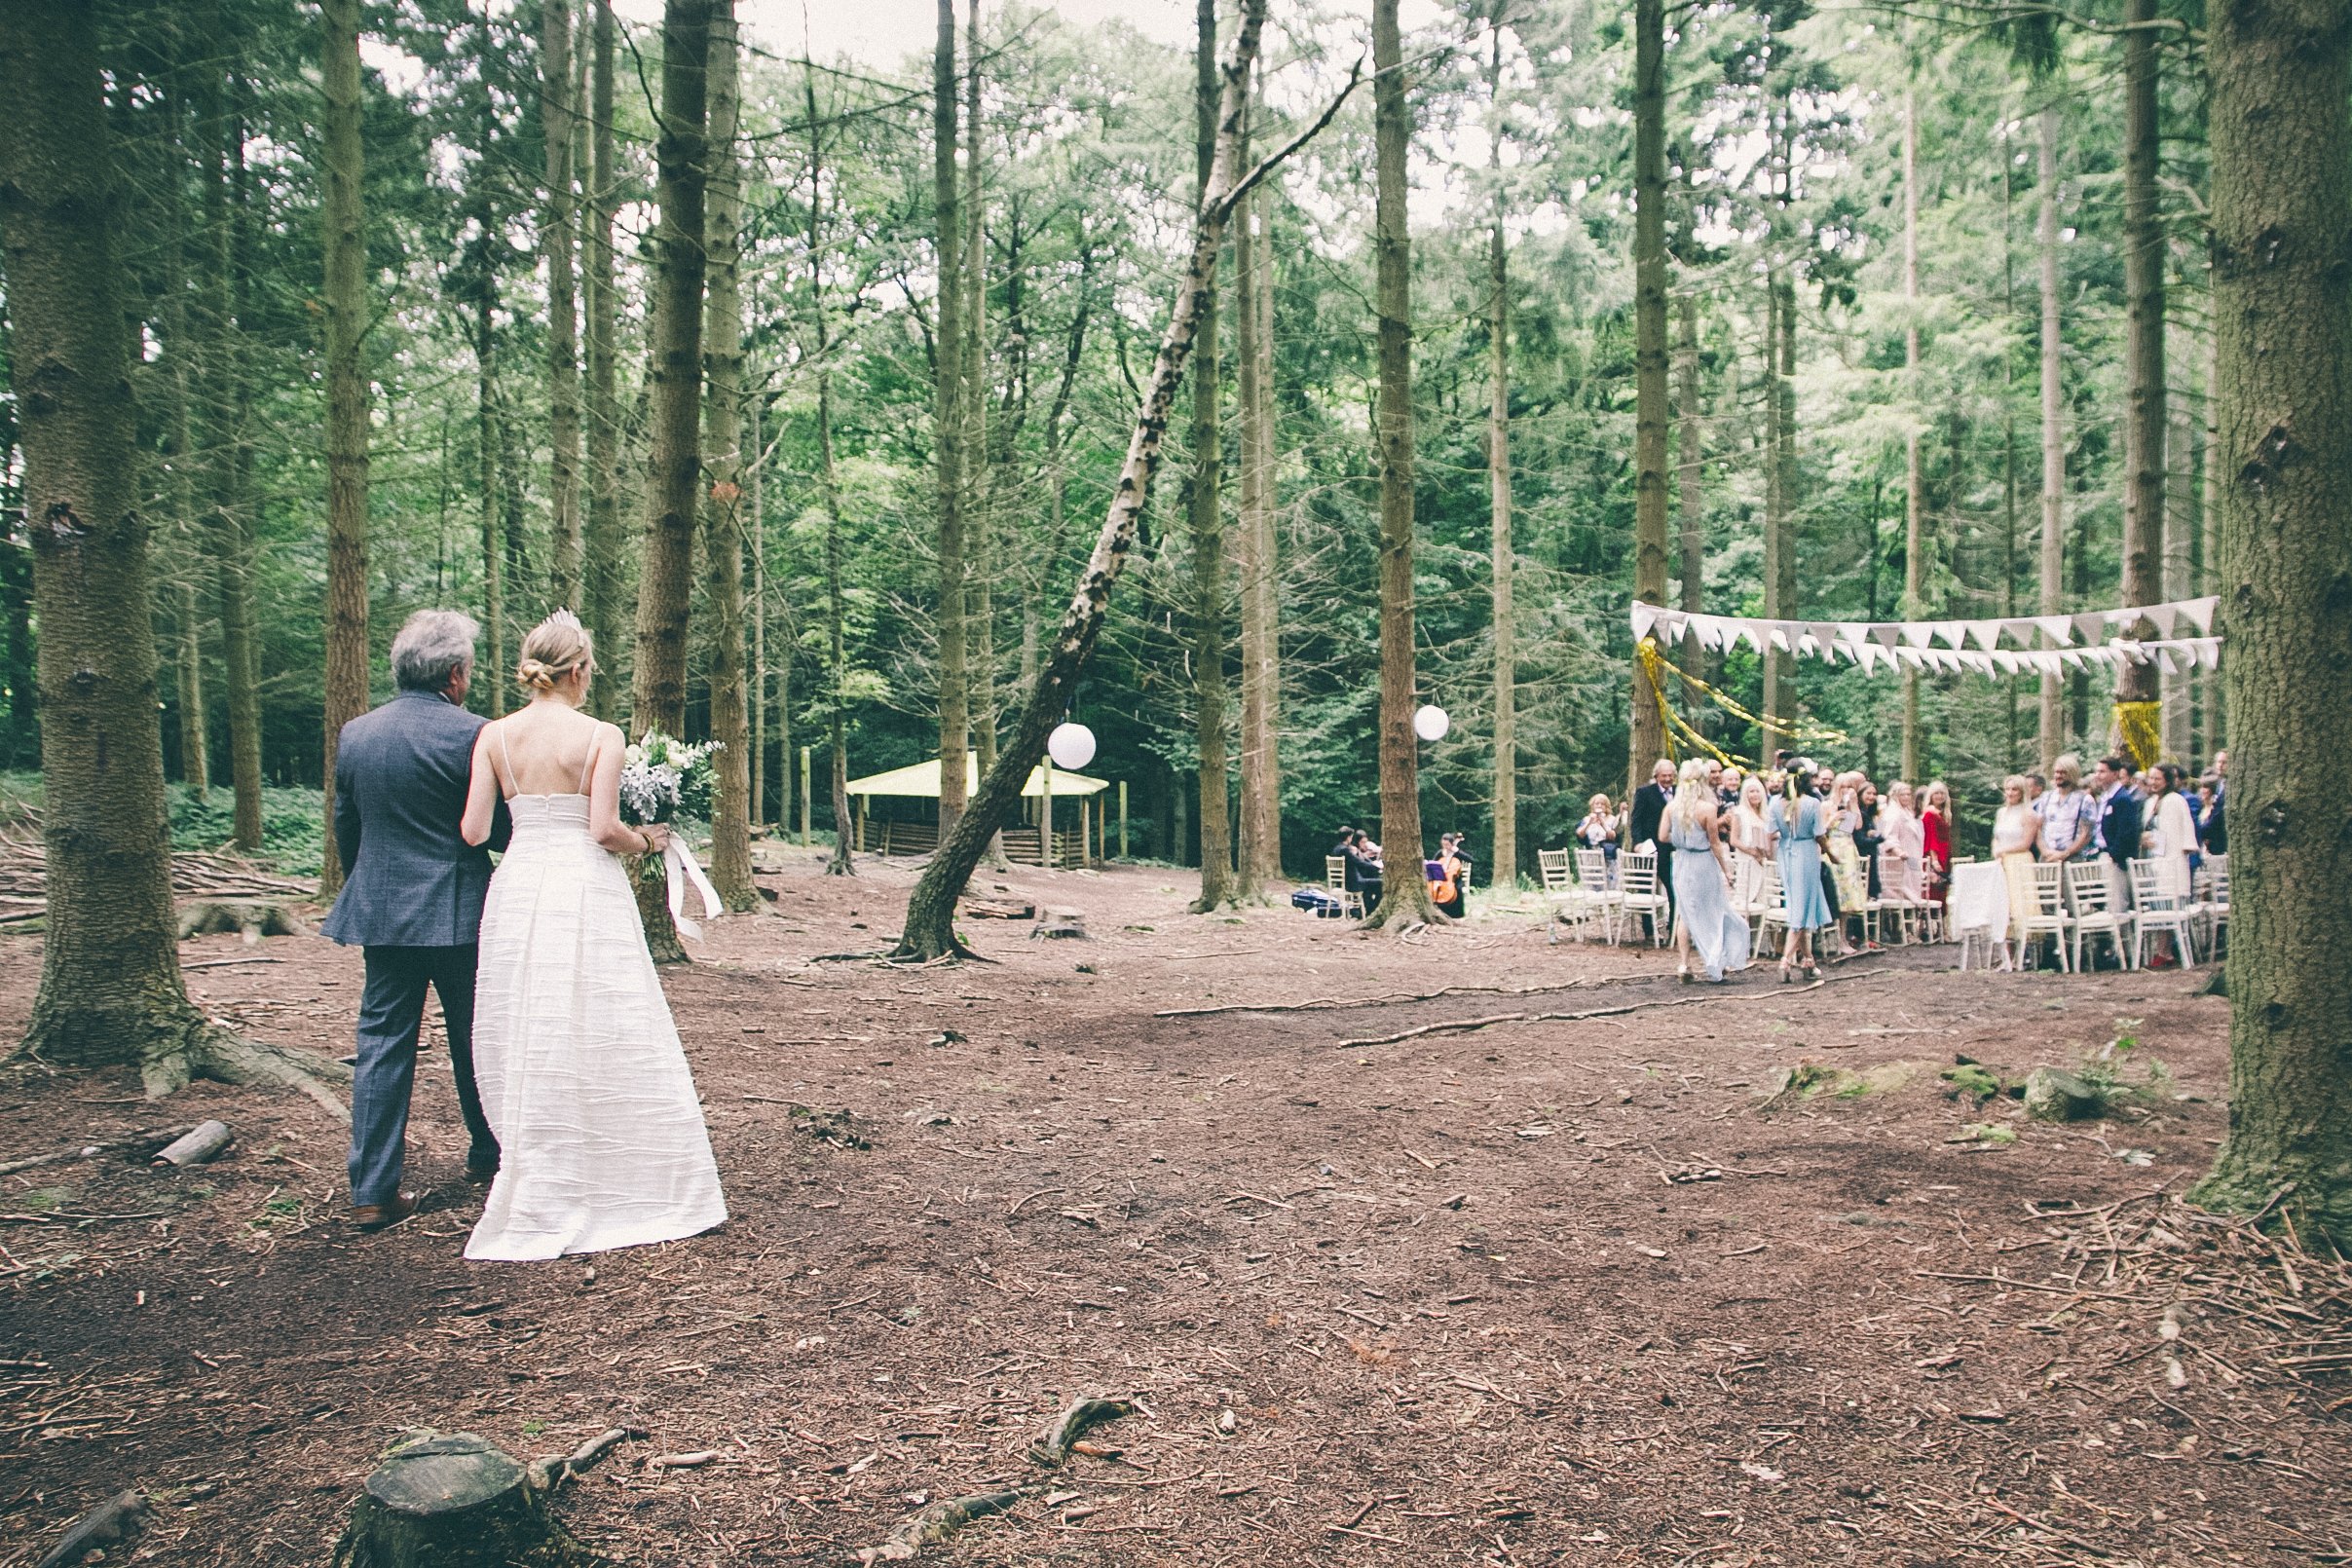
column 1902, row 841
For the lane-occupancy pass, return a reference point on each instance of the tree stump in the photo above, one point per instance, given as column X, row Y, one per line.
column 253, row 917
column 451, row 1502
column 1060, row 923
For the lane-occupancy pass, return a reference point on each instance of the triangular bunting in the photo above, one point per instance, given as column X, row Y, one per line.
column 2091, row 627
column 2165, row 616
column 2060, row 629
column 1985, row 633
column 2200, row 613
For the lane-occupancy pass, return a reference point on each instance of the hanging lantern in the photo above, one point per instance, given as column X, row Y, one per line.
column 1430, row 723
column 1071, row 746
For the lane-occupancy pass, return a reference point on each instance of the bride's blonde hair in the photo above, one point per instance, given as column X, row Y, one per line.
column 556, row 647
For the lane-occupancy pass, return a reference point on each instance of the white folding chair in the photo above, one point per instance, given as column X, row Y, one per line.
column 1771, row 909
column 1335, row 877
column 1602, row 901
column 1568, row 902
column 1640, row 897
column 2159, row 911
column 1890, row 900
column 2217, row 902
column 2048, row 917
column 2091, row 897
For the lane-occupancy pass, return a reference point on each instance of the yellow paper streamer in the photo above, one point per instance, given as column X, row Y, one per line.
column 2140, row 724
column 1797, row 731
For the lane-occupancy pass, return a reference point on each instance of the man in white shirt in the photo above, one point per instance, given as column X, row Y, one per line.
column 2068, row 814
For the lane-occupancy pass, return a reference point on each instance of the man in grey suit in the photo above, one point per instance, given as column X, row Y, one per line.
column 412, row 895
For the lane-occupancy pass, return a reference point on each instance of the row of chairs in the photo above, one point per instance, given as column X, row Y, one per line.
column 2074, row 905
column 1593, row 897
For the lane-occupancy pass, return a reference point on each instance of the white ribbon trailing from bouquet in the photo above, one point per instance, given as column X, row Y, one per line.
column 683, row 868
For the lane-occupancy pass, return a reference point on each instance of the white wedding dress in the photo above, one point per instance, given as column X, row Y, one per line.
column 601, row 1139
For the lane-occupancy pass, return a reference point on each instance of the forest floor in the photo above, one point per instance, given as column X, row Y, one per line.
column 1378, row 1300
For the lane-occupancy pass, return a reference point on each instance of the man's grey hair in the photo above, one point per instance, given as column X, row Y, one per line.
column 434, row 646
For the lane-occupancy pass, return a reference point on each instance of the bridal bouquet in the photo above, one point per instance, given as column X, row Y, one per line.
column 663, row 777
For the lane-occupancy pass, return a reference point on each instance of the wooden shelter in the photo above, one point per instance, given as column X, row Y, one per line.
column 1046, row 784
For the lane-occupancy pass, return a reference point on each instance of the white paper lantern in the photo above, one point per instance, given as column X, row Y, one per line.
column 1430, row 724
column 1070, row 746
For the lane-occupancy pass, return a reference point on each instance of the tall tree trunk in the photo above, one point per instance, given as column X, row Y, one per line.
column 602, row 545
column 837, row 663
column 2281, row 79
column 345, row 301
column 1650, row 740
column 1502, row 554
column 757, row 613
column 1404, row 894
column 2144, row 345
column 1690, row 488
column 1914, row 479
column 20, row 744
column 1205, row 516
column 1257, row 568
column 229, row 400
column 111, row 993
column 2179, row 531
column 980, row 458
column 723, row 446
column 180, row 366
column 557, row 234
column 674, row 465
column 2216, row 723
column 2053, row 735
column 1785, row 463
column 929, row 930
column 1779, row 570
column 947, row 435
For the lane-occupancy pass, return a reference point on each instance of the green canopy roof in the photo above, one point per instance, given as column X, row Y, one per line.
column 922, row 780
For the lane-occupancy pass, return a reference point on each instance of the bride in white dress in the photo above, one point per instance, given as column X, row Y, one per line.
column 601, row 1139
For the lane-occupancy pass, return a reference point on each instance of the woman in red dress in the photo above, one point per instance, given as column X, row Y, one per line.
column 1935, row 838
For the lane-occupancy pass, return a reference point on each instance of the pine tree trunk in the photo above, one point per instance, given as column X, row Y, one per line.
column 929, row 930
column 180, row 365
column 1650, row 740
column 346, row 302
column 1404, row 894
column 556, row 237
column 1502, row 556
column 723, row 444
column 2281, row 79
column 20, row 745
column 1689, row 487
column 1255, row 567
column 2053, row 733
column 111, row 993
column 2216, row 722
column 2179, row 528
column 1204, row 517
column 1266, row 604
column 947, row 435
column 1778, row 568
column 837, row 663
column 494, row 561
column 227, row 403
column 2143, row 425
column 602, row 542
column 674, row 464
column 1915, row 481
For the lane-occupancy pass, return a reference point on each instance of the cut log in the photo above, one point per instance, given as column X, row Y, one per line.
column 451, row 1502
column 253, row 918
column 2054, row 1094
column 986, row 908
column 207, row 1141
column 1060, row 923
column 117, row 1521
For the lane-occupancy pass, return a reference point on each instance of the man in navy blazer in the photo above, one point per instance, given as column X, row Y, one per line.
column 412, row 896
column 2117, row 837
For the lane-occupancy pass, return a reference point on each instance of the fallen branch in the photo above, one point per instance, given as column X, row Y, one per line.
column 927, row 1526
column 546, row 1475
column 1052, row 1449
column 1759, row 994
column 1397, row 998
column 1042, row 1192
column 90, row 1151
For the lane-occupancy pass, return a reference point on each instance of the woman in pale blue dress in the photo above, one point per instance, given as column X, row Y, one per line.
column 1797, row 817
column 1702, row 905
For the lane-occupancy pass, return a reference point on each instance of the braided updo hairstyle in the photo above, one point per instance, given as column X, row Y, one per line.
column 556, row 647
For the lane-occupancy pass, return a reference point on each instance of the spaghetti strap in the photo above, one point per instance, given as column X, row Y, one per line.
column 511, row 775
column 588, row 762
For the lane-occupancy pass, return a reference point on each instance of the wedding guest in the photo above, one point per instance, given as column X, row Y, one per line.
column 1899, row 836
column 1935, row 837
column 1751, row 845
column 2066, row 813
column 1363, row 873
column 2175, row 831
column 1599, row 830
column 2014, row 830
column 1796, row 821
column 2217, row 821
column 1845, row 859
column 1866, row 839
column 1648, row 811
column 2115, row 822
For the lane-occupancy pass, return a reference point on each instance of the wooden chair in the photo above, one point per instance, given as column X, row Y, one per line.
column 2159, row 911
column 2091, row 899
column 1335, row 877
column 2049, row 917
column 1640, row 897
column 1601, row 901
column 2217, row 902
column 1771, row 911
column 1904, row 911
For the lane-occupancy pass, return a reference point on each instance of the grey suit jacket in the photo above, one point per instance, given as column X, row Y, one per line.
column 400, row 777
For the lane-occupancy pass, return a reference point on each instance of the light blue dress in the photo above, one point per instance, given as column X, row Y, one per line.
column 1798, row 851
column 1703, row 901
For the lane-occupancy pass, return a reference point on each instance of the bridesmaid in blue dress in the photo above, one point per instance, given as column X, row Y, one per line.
column 1702, row 904
column 1797, row 817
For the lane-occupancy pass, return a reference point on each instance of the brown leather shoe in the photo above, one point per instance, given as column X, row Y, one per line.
column 380, row 1215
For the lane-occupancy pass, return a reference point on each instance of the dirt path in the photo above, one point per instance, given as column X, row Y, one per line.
column 1435, row 1297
